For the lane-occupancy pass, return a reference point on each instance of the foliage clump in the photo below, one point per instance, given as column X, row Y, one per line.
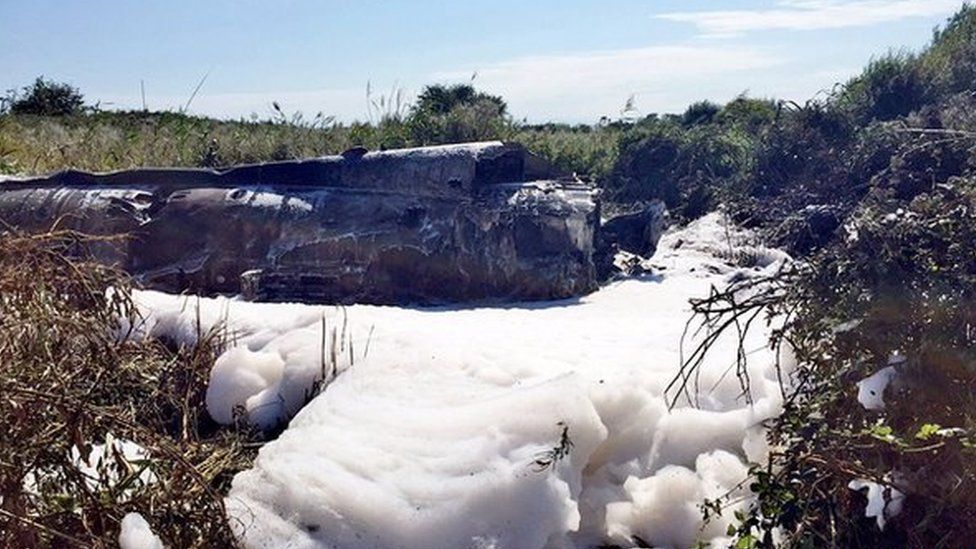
column 456, row 114
column 874, row 186
column 891, row 289
column 897, row 291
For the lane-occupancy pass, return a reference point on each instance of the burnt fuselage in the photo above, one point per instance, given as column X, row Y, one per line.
column 485, row 221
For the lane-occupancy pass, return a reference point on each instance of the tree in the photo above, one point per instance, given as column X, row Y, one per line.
column 457, row 114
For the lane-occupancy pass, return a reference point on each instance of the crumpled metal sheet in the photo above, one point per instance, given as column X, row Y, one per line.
column 485, row 221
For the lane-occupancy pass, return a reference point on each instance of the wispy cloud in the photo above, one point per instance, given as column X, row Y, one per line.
column 810, row 15
column 585, row 86
column 573, row 87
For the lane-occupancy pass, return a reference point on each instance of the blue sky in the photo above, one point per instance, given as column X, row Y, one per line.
column 566, row 60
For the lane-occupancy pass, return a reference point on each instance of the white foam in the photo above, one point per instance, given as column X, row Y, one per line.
column 884, row 501
column 101, row 466
column 432, row 439
column 870, row 390
column 136, row 534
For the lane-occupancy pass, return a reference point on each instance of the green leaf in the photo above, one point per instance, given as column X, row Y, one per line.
column 746, row 542
column 927, row 431
column 881, row 430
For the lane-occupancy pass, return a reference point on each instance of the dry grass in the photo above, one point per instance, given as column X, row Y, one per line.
column 114, row 141
column 105, row 141
column 69, row 382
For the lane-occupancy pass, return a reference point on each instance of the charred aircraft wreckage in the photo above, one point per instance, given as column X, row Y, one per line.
column 459, row 223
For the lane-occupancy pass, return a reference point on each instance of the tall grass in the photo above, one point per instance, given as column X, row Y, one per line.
column 108, row 141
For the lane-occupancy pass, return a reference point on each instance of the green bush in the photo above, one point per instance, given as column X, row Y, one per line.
column 891, row 86
column 688, row 168
column 46, row 98
column 456, row 114
column 951, row 59
column 589, row 152
column 702, row 112
column 440, row 99
column 752, row 115
column 900, row 284
column 895, row 152
column 480, row 120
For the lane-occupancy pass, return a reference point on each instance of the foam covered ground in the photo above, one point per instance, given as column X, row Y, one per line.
column 447, row 429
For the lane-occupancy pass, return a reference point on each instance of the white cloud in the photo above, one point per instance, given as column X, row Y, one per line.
column 811, row 15
column 586, row 86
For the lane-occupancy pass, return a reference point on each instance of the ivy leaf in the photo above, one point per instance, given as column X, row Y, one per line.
column 881, row 431
column 746, row 542
column 927, row 431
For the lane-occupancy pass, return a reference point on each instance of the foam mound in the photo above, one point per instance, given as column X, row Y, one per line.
column 527, row 426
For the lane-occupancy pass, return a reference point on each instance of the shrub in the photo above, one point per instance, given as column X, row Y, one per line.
column 752, row 115
column 891, row 86
column 951, row 59
column 897, row 292
column 589, row 152
column 481, row 120
column 440, row 99
column 47, row 98
column 702, row 112
column 689, row 169
column 893, row 155
column 797, row 161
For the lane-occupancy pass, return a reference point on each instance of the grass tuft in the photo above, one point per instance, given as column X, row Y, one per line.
column 97, row 424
